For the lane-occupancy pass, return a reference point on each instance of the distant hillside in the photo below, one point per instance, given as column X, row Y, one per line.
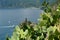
column 20, row 3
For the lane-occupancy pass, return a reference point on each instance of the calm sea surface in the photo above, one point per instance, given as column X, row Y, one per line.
column 11, row 17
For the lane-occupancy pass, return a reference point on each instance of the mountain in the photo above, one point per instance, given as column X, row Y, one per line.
column 20, row 3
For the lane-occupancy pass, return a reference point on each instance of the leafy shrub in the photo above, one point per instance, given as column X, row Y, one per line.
column 48, row 28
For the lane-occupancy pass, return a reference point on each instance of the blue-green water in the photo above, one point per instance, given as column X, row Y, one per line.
column 5, row 31
column 11, row 17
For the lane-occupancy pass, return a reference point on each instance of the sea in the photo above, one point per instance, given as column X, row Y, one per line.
column 9, row 18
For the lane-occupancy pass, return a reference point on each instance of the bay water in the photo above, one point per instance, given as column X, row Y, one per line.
column 11, row 17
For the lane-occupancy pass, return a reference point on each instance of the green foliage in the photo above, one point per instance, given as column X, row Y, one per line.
column 48, row 28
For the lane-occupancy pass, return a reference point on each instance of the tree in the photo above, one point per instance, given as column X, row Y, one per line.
column 48, row 27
